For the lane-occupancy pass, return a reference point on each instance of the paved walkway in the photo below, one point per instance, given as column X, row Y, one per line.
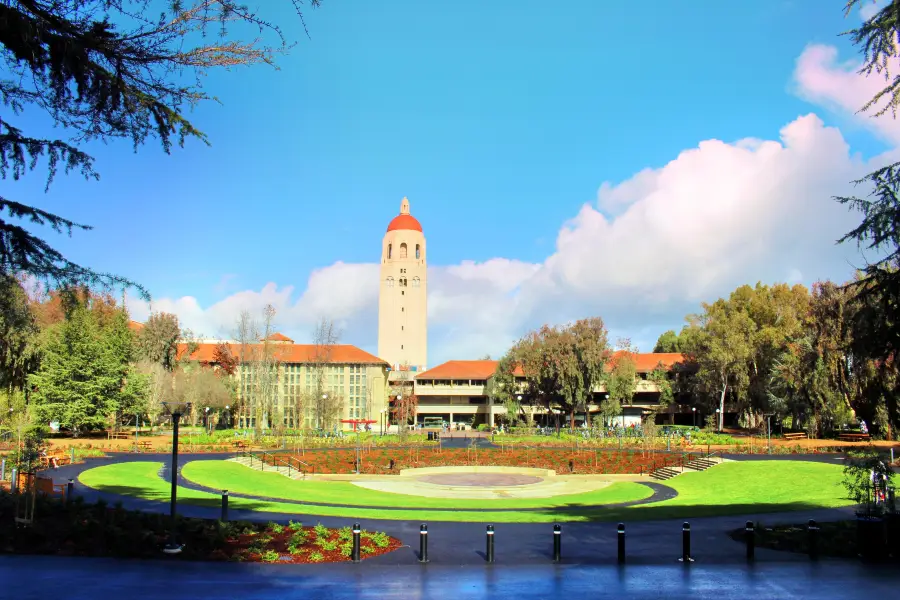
column 39, row 577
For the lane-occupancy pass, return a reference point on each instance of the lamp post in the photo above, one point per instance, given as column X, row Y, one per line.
column 176, row 409
column 718, row 422
column 381, row 420
column 227, row 415
column 324, row 400
column 694, row 416
column 206, row 417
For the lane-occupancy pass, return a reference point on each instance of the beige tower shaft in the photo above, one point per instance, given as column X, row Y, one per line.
column 402, row 305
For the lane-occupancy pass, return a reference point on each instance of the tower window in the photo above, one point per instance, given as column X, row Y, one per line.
column 401, row 346
column 402, row 309
column 402, row 293
column 403, row 250
column 401, row 328
column 390, row 247
column 418, row 253
column 415, row 282
column 403, row 282
column 389, row 282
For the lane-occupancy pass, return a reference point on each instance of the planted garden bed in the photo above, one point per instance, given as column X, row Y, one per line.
column 378, row 461
column 82, row 529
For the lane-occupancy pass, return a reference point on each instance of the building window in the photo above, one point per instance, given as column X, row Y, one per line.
column 390, row 247
column 403, row 270
column 403, row 282
column 401, row 346
column 401, row 328
column 389, row 282
column 418, row 253
column 403, row 250
column 402, row 293
column 402, row 309
column 415, row 282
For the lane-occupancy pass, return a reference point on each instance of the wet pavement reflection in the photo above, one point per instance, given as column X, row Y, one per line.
column 82, row 579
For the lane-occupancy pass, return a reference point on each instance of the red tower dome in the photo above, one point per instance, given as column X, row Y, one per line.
column 404, row 221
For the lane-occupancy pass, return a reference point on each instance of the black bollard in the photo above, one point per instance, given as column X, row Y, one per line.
column 557, row 543
column 3, row 470
column 224, row 505
column 813, row 529
column 621, row 537
column 686, row 543
column 571, row 466
column 751, row 540
column 70, row 490
column 392, row 464
column 423, row 543
column 355, row 554
column 14, row 481
column 490, row 543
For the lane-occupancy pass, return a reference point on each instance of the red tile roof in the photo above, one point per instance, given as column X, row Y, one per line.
column 279, row 337
column 404, row 222
column 135, row 326
column 483, row 369
column 461, row 369
column 290, row 353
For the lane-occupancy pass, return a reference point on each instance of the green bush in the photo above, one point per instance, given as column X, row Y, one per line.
column 270, row 556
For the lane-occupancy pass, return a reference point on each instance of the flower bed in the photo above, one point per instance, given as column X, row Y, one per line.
column 379, row 460
column 297, row 544
column 81, row 529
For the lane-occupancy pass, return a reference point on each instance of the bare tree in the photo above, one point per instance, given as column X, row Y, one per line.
column 405, row 401
column 246, row 334
column 327, row 400
column 161, row 387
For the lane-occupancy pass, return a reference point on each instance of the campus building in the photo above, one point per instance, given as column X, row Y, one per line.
column 365, row 386
column 351, row 380
column 457, row 392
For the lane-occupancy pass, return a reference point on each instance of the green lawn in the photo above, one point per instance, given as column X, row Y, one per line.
column 732, row 488
column 239, row 479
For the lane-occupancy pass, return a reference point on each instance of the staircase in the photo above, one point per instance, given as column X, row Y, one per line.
column 258, row 465
column 701, row 463
column 664, row 473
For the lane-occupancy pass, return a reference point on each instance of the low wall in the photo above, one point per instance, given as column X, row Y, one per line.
column 477, row 469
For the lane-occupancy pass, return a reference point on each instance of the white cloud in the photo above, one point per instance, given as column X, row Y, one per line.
column 870, row 8
column 822, row 79
column 646, row 254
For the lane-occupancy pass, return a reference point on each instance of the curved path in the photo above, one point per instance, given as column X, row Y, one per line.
column 660, row 492
column 650, row 542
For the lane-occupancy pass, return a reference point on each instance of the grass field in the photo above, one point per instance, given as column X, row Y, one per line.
column 242, row 480
column 732, row 488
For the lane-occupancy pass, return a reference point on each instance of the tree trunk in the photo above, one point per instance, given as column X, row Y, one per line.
column 722, row 406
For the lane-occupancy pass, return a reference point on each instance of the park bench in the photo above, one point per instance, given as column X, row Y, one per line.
column 62, row 458
column 42, row 485
column 118, row 435
column 854, row 437
column 143, row 446
column 796, row 435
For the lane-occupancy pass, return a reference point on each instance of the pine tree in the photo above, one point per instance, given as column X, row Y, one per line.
column 80, row 381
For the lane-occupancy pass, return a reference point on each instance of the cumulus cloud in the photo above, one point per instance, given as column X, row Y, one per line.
column 645, row 254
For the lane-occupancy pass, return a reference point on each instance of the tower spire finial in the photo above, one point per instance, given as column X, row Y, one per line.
column 404, row 206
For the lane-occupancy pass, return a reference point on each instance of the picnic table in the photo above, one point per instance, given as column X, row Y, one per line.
column 118, row 435
column 854, row 437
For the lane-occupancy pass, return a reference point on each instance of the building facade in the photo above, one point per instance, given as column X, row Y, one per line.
column 457, row 392
column 402, row 296
column 306, row 386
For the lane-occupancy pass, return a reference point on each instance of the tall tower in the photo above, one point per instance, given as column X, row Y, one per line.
column 402, row 309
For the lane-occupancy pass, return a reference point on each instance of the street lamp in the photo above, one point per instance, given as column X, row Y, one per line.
column 206, row 410
column 324, row 400
column 176, row 409
column 381, row 420
column 227, row 415
column 694, row 416
column 718, row 422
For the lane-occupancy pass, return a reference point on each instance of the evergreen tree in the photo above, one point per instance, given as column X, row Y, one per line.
column 101, row 70
column 82, row 374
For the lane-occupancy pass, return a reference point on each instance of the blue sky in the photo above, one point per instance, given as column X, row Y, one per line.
column 499, row 120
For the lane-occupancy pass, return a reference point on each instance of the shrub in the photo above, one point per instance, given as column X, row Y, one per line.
column 316, row 557
column 270, row 556
column 321, row 530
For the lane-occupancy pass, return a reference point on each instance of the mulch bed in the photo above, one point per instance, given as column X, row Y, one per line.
column 297, row 544
column 378, row 460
